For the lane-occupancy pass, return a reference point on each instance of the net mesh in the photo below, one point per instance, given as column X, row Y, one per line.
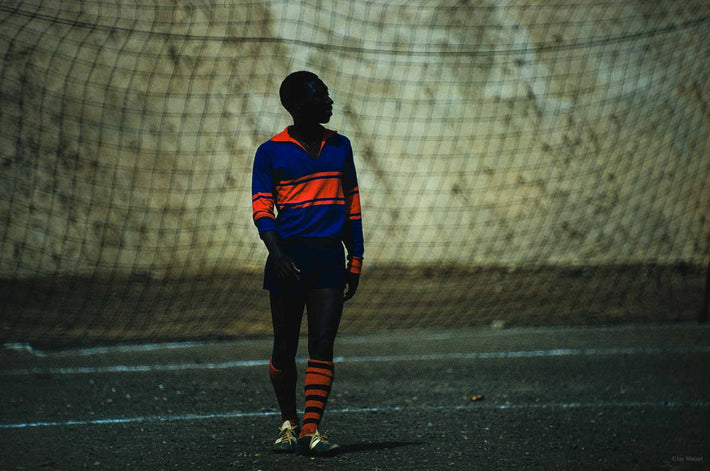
column 536, row 162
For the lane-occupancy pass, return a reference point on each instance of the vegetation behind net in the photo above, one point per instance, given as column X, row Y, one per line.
column 538, row 162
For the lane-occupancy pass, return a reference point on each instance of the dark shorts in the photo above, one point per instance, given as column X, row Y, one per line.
column 322, row 265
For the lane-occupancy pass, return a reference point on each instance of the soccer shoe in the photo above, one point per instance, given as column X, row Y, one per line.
column 316, row 445
column 286, row 443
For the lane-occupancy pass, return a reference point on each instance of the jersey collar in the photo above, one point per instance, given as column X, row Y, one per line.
column 284, row 136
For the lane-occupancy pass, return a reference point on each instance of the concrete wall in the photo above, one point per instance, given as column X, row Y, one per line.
column 486, row 133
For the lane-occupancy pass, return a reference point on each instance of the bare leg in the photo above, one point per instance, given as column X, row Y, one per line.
column 325, row 308
column 286, row 316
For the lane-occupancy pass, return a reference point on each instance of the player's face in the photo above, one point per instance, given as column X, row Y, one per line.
column 316, row 105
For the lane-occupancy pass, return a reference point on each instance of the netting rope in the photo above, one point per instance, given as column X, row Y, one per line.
column 536, row 162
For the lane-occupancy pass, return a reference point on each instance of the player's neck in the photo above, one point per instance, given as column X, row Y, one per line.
column 306, row 132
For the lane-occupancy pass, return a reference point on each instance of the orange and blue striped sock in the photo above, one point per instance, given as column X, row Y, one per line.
column 319, row 378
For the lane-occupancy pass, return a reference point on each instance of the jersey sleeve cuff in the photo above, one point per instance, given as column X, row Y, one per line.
column 265, row 224
column 355, row 265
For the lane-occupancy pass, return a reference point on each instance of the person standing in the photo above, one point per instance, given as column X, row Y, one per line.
column 307, row 173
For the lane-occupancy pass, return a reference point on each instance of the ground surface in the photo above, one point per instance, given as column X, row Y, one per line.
column 589, row 398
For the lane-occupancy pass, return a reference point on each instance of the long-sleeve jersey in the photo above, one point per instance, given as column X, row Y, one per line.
column 314, row 197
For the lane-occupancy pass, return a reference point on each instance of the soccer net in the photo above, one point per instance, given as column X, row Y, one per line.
column 535, row 162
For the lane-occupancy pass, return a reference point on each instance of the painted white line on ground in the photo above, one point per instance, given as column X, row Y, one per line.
column 556, row 352
column 134, row 368
column 358, row 410
column 27, row 347
column 559, row 352
column 113, row 349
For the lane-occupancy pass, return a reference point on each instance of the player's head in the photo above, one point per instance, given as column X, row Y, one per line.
column 306, row 98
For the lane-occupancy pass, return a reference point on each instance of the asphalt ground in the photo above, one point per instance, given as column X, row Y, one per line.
column 634, row 397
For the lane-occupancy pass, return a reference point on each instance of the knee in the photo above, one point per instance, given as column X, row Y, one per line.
column 320, row 348
column 283, row 357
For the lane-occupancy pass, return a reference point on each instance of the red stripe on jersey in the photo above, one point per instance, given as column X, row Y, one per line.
column 352, row 203
column 317, row 188
column 262, row 206
column 257, row 196
column 312, row 176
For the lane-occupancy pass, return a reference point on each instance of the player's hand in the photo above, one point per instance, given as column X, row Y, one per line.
column 352, row 280
column 285, row 266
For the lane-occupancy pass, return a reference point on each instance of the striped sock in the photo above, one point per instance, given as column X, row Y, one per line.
column 284, row 383
column 319, row 377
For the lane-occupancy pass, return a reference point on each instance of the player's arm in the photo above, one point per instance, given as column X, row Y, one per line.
column 262, row 200
column 353, row 237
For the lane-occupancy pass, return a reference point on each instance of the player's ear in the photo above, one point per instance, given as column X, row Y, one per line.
column 298, row 109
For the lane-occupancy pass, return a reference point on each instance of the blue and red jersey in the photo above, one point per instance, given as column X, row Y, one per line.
column 314, row 197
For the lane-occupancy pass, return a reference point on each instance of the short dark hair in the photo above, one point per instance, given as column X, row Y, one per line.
column 293, row 86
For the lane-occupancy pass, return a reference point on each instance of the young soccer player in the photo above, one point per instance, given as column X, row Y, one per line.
column 307, row 172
